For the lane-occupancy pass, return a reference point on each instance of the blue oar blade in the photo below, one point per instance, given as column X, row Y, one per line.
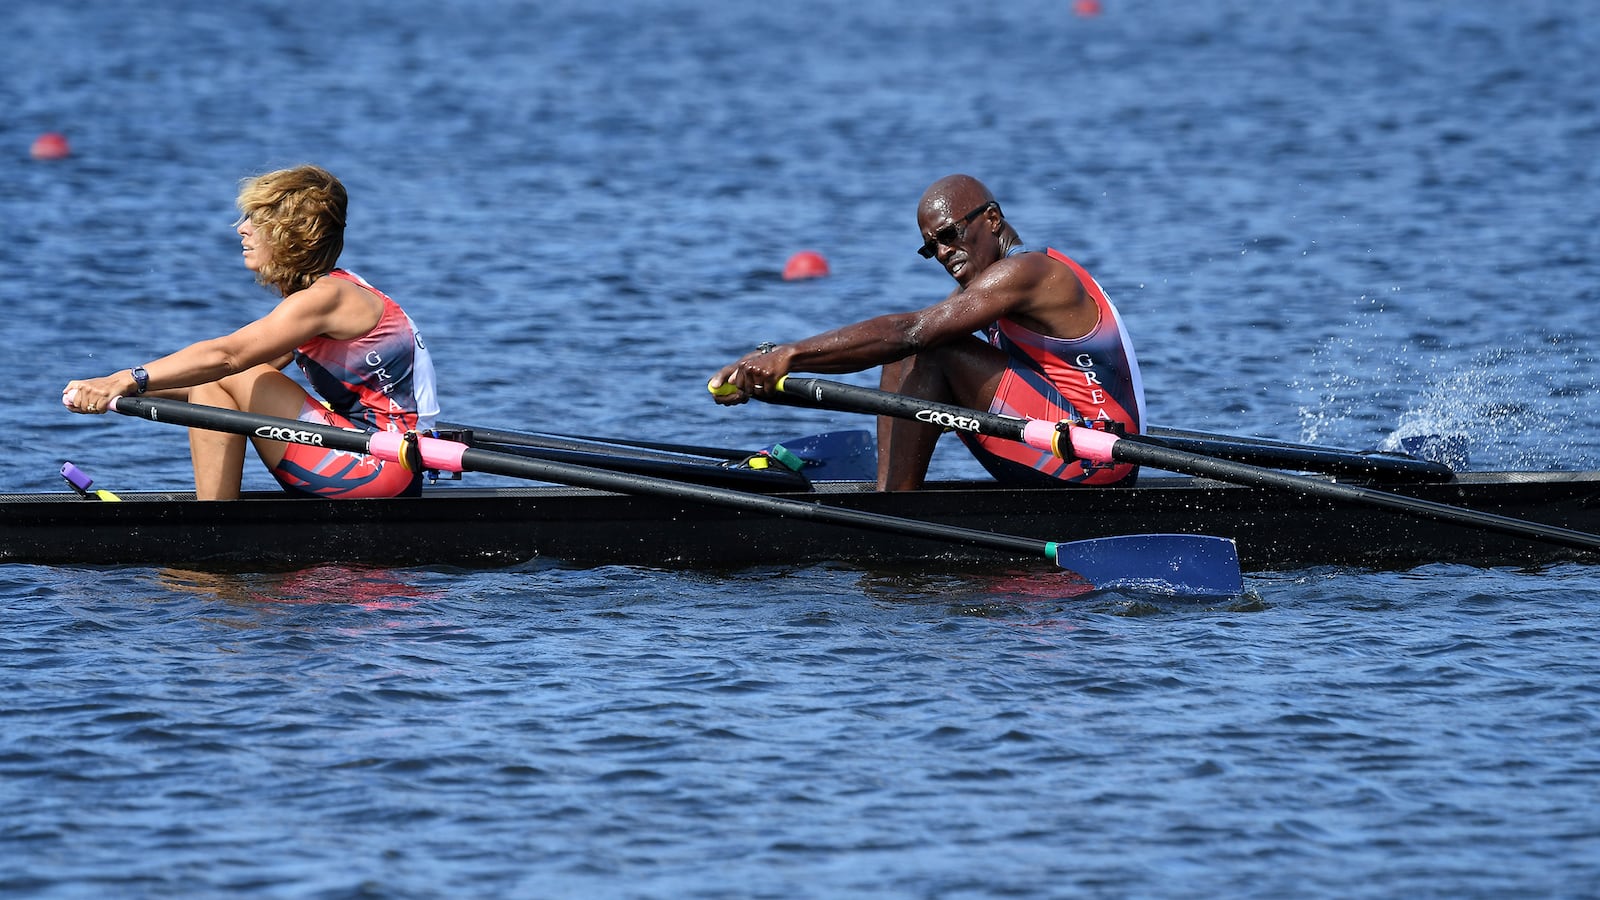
column 1188, row 564
column 1448, row 449
column 837, row 455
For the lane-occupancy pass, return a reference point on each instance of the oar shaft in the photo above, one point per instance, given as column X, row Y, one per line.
column 453, row 456
column 297, row 432
column 1302, row 457
column 475, row 460
column 1040, row 435
column 775, row 479
column 826, row 394
column 1132, row 450
column 595, row 444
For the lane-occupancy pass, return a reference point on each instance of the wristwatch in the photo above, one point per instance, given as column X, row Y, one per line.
column 141, row 380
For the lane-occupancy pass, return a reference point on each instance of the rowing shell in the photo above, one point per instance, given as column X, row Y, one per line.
column 457, row 524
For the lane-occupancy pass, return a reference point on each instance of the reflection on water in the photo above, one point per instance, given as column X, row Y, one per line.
column 367, row 587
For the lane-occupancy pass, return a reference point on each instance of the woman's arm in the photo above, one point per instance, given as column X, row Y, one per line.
column 325, row 306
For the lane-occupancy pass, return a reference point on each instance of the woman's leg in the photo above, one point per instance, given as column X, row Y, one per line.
column 218, row 457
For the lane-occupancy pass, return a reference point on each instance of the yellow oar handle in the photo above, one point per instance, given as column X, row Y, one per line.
column 726, row 388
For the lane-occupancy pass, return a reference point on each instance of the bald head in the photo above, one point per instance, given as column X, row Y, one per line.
column 950, row 197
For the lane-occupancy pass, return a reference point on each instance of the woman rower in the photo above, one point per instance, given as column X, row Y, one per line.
column 358, row 348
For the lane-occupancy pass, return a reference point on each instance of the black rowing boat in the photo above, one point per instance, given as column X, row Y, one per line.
column 453, row 524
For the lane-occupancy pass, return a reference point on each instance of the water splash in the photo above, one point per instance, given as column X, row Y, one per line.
column 1511, row 406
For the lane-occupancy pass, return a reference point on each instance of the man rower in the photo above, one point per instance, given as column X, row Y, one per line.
column 1053, row 348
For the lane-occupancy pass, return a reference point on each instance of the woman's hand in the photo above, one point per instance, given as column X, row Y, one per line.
column 94, row 395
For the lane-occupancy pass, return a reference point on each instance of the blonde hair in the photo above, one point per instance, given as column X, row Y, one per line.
column 301, row 211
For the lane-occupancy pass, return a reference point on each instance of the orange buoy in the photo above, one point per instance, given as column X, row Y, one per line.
column 805, row 264
column 50, row 145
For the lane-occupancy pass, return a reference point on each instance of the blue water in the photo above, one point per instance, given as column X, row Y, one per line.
column 1345, row 221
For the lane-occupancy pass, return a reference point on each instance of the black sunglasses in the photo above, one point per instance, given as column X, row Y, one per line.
column 948, row 235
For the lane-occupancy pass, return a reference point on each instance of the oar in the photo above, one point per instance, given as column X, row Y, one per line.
column 1072, row 441
column 1179, row 564
column 1301, row 457
column 1374, row 466
column 584, row 442
column 768, row 479
column 830, row 456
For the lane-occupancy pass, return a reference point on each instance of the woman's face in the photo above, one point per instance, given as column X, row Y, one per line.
column 257, row 250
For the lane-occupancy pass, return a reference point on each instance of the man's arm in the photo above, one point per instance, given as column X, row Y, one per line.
column 1010, row 288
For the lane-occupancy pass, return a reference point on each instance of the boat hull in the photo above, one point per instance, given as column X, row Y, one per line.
column 453, row 525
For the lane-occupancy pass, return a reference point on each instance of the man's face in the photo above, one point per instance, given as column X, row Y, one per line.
column 956, row 240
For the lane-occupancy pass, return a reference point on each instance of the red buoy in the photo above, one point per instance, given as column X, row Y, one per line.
column 1088, row 9
column 50, row 145
column 805, row 264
